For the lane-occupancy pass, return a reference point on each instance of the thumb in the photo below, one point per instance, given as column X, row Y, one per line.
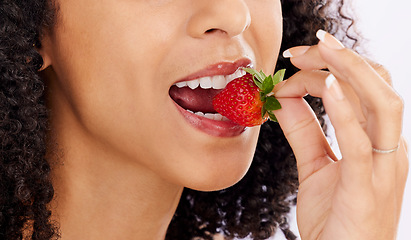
column 305, row 135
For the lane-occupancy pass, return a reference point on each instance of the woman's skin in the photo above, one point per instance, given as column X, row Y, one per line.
column 128, row 149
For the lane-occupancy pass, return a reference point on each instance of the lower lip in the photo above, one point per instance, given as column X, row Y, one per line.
column 212, row 127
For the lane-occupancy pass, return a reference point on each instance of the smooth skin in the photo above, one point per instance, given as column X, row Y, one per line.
column 359, row 196
column 126, row 152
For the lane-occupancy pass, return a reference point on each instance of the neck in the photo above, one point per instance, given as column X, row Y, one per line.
column 98, row 195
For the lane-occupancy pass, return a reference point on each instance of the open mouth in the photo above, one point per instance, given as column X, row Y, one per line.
column 195, row 97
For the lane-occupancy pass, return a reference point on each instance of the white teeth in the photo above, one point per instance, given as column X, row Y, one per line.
column 241, row 73
column 181, row 84
column 218, row 117
column 209, row 115
column 193, row 84
column 212, row 116
column 205, row 82
column 237, row 74
column 215, row 82
column 219, row 82
column 200, row 114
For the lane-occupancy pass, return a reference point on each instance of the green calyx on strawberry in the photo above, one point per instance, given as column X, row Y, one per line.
column 248, row 100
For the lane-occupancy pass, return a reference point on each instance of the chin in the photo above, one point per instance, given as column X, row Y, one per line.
column 223, row 172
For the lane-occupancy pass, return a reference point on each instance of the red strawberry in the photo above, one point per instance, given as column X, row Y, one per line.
column 245, row 100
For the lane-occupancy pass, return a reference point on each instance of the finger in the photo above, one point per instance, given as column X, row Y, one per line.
column 302, row 83
column 405, row 146
column 383, row 106
column 402, row 164
column 305, row 57
column 402, row 173
column 355, row 146
column 298, row 121
column 313, row 82
column 381, row 70
column 308, row 58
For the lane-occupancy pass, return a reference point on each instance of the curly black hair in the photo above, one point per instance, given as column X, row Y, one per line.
column 256, row 206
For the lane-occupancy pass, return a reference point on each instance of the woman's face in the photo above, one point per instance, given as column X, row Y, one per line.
column 116, row 62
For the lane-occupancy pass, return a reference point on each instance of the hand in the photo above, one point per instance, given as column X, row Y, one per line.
column 359, row 196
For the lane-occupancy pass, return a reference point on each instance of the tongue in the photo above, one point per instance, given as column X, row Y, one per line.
column 197, row 100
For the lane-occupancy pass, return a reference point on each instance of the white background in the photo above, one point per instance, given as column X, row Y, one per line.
column 387, row 26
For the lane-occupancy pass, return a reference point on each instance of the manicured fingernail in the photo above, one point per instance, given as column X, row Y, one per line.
column 295, row 51
column 287, row 54
column 334, row 87
column 329, row 40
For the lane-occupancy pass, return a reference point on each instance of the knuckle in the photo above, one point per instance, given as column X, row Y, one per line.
column 394, row 103
column 349, row 117
column 384, row 73
column 355, row 60
column 300, row 125
column 381, row 70
column 363, row 147
column 405, row 162
column 358, row 61
column 405, row 145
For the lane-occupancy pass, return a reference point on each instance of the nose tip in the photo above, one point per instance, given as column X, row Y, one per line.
column 231, row 17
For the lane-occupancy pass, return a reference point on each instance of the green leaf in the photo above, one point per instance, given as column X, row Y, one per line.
column 257, row 75
column 263, row 96
column 272, row 103
column 268, row 85
column 279, row 76
column 250, row 71
column 262, row 74
column 263, row 112
column 272, row 117
column 258, row 83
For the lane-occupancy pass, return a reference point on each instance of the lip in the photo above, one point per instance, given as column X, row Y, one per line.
column 212, row 127
column 221, row 68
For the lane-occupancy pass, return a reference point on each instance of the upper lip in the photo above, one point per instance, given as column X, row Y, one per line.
column 221, row 68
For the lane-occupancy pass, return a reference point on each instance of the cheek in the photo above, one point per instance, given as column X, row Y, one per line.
column 265, row 32
column 107, row 66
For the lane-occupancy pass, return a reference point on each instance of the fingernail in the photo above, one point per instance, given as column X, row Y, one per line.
column 287, row 54
column 295, row 51
column 329, row 40
column 334, row 87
